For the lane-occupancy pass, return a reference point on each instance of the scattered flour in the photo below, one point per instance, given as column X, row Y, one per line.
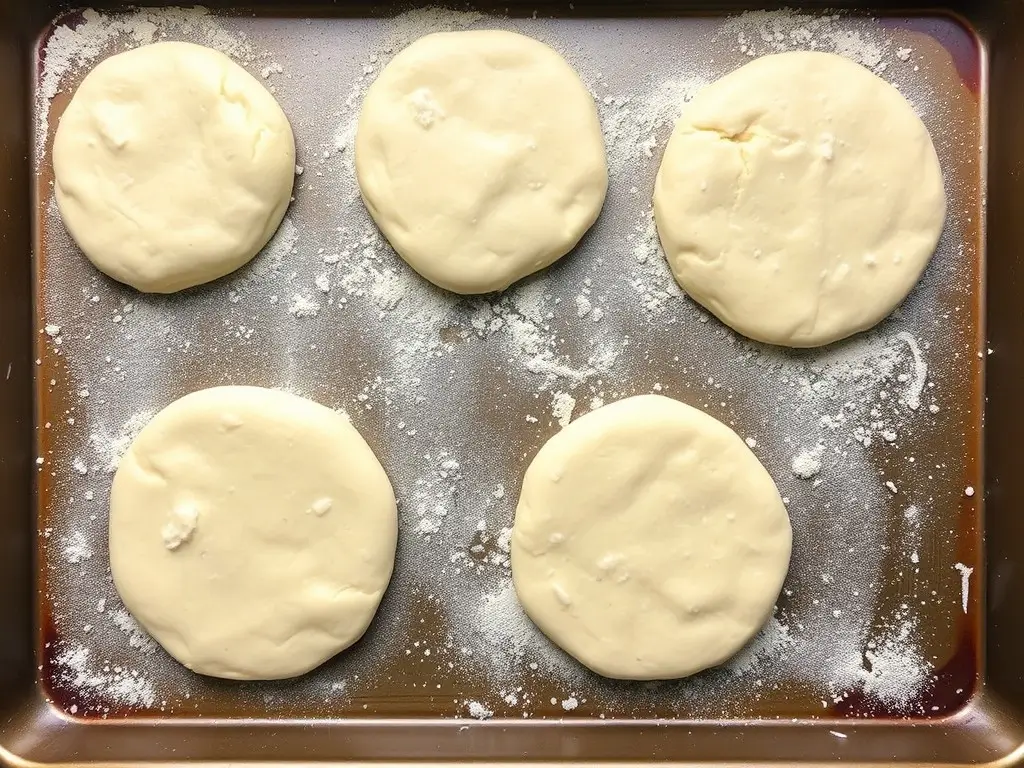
column 77, row 669
column 631, row 121
column 757, row 33
column 891, row 670
column 562, row 405
column 111, row 447
column 898, row 672
column 77, row 548
column 270, row 260
column 137, row 636
column 653, row 281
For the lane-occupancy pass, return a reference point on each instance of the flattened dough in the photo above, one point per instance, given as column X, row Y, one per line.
column 649, row 542
column 252, row 532
column 173, row 166
column 479, row 155
column 799, row 199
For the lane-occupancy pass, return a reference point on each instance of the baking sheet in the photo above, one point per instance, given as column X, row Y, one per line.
column 873, row 441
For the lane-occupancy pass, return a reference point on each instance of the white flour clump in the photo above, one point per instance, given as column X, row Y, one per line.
column 478, row 710
column 807, row 464
column 583, row 305
column 965, row 584
column 303, row 306
column 913, row 394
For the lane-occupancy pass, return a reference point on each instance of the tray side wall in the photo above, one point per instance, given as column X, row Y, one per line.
column 1004, row 425
column 16, row 366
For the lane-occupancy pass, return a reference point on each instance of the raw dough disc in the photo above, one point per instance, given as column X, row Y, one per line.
column 649, row 542
column 479, row 155
column 252, row 532
column 799, row 199
column 173, row 166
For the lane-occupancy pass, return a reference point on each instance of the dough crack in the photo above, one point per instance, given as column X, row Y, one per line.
column 747, row 135
column 840, row 207
column 234, row 99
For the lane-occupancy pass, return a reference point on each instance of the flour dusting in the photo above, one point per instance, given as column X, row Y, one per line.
column 965, row 584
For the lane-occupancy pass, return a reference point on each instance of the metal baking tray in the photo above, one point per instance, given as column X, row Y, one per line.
column 898, row 636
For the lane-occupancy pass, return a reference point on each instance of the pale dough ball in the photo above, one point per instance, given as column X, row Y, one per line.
column 799, row 199
column 252, row 532
column 173, row 166
column 479, row 154
column 649, row 542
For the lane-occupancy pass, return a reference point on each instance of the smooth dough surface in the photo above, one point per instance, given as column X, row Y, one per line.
column 173, row 166
column 799, row 199
column 252, row 532
column 649, row 542
column 480, row 156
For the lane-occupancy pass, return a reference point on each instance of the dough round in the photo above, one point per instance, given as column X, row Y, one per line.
column 479, row 155
column 649, row 542
column 799, row 199
column 173, row 166
column 252, row 532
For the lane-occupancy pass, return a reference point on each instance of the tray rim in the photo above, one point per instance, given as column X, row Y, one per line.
column 980, row 707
